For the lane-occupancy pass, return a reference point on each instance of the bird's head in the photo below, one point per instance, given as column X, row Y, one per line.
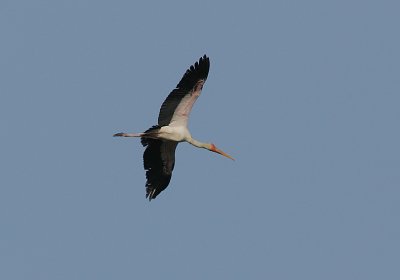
column 214, row 149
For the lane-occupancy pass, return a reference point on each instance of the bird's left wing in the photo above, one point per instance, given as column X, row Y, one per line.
column 176, row 108
column 159, row 162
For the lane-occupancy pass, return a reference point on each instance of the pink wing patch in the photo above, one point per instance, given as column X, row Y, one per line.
column 182, row 112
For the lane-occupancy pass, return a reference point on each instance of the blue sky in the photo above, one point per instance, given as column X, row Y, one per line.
column 304, row 94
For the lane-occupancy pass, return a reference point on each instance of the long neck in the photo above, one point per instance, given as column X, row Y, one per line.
column 199, row 144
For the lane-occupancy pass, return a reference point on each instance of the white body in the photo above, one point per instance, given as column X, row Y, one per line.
column 175, row 133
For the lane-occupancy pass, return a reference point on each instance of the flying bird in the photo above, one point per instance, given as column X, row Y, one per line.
column 161, row 140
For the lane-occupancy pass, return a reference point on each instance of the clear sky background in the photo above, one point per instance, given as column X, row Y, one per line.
column 304, row 94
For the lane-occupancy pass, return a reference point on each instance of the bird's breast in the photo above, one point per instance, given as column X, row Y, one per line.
column 174, row 133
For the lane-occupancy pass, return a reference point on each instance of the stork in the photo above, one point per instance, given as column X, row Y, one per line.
column 161, row 140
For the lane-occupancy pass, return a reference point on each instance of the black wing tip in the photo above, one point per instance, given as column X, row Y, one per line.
column 203, row 60
column 203, row 65
column 151, row 193
column 198, row 71
column 156, row 183
column 153, row 189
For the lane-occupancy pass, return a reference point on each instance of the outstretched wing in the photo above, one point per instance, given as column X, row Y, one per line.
column 176, row 108
column 159, row 161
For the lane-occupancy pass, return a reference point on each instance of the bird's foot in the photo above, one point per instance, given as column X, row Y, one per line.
column 121, row 134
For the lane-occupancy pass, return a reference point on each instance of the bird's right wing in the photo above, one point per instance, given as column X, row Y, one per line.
column 176, row 108
column 159, row 162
